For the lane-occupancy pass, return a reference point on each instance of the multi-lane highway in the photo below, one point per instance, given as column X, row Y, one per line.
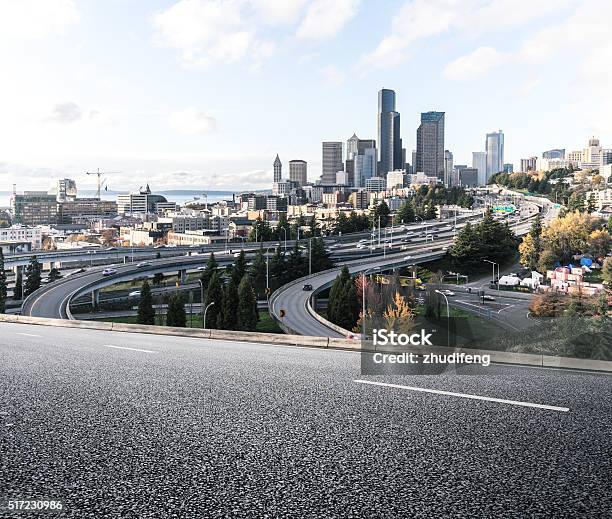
column 53, row 300
column 145, row 426
column 289, row 304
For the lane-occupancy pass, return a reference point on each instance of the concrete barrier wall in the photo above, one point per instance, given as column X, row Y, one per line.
column 501, row 357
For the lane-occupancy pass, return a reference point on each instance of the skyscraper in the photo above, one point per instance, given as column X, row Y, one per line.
column 352, row 146
column 278, row 169
column 364, row 167
column 298, row 171
column 389, row 140
column 430, row 145
column 332, row 162
column 448, row 167
column 479, row 162
column 495, row 153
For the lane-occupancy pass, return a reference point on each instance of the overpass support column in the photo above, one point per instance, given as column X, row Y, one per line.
column 182, row 275
column 95, row 298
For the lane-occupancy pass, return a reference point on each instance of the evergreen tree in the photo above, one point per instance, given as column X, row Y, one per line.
column 342, row 224
column 33, row 273
column 278, row 269
column 230, row 306
column 320, row 258
column 349, row 308
column 17, row 291
column 380, row 213
column 405, row 214
column 176, row 315
column 430, row 212
column 297, row 266
column 146, row 313
column 214, row 293
column 247, row 306
column 211, row 268
column 3, row 287
column 257, row 273
column 54, row 275
column 239, row 268
column 335, row 301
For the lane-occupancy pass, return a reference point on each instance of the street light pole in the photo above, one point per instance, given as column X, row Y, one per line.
column 202, row 300
column 206, row 310
column 363, row 299
column 447, row 318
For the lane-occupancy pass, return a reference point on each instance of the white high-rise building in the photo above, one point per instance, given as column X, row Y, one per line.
column 396, row 178
column 495, row 153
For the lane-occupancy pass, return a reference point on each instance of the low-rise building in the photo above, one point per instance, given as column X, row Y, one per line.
column 22, row 234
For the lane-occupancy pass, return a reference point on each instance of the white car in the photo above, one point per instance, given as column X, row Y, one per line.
column 108, row 272
column 361, row 246
column 135, row 293
column 407, row 258
column 448, row 292
column 143, row 264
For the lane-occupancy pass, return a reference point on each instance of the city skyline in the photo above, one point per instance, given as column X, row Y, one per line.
column 162, row 106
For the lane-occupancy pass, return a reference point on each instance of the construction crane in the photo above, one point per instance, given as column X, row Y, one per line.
column 99, row 174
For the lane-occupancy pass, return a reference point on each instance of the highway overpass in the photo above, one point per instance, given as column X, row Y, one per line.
column 300, row 316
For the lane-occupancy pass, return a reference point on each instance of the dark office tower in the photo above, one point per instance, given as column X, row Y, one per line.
column 298, row 172
column 332, row 162
column 389, row 141
column 430, row 145
column 278, row 169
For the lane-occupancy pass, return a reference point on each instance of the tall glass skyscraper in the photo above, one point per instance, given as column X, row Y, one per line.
column 430, row 145
column 389, row 140
column 495, row 153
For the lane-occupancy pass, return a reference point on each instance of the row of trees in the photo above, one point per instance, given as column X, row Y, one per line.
column 235, row 290
column 574, row 233
column 389, row 306
column 420, row 205
column 486, row 240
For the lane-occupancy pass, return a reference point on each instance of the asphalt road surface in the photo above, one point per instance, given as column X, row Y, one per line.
column 142, row 426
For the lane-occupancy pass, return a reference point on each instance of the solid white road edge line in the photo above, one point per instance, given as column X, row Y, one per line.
column 27, row 334
column 125, row 348
column 465, row 395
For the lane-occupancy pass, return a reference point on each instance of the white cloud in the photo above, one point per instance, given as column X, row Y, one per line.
column 23, row 20
column 69, row 112
column 278, row 11
column 421, row 19
column 333, row 75
column 474, row 65
column 206, row 31
column 192, row 122
column 325, row 19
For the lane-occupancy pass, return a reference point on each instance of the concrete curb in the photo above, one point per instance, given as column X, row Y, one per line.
column 500, row 357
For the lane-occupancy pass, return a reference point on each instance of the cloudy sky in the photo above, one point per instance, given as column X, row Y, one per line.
column 204, row 93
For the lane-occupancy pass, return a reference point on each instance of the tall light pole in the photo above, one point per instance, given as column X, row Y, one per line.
column 493, row 264
column 310, row 256
column 447, row 317
column 285, row 231
column 206, row 310
column 202, row 300
column 363, row 299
